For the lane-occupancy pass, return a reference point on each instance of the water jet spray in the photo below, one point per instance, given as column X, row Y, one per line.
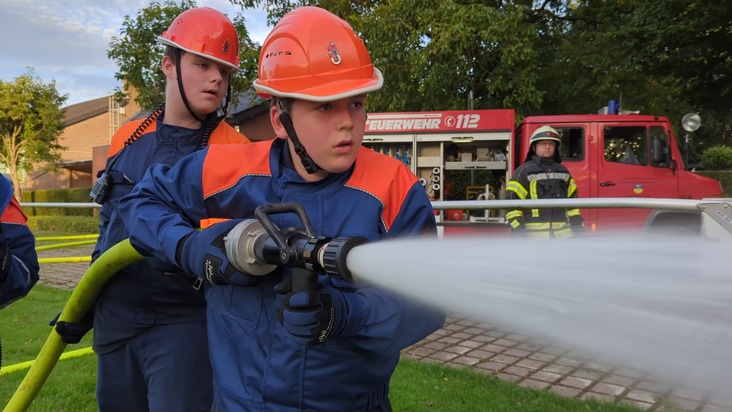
column 657, row 303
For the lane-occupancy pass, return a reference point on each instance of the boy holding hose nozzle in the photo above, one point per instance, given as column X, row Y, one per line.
column 272, row 348
column 149, row 326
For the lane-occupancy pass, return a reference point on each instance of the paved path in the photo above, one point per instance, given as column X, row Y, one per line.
column 505, row 354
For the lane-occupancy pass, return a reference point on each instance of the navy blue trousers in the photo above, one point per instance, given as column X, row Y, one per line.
column 165, row 368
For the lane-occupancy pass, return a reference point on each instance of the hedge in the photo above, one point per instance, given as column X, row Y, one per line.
column 64, row 224
column 58, row 196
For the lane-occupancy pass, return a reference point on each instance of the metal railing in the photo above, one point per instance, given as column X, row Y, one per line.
column 719, row 210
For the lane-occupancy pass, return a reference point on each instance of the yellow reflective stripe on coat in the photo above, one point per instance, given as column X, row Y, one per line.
column 559, row 230
column 572, row 188
column 534, row 195
column 514, row 214
column 516, row 187
column 565, row 233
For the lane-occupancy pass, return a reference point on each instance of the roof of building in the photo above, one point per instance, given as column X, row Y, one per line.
column 248, row 105
column 79, row 112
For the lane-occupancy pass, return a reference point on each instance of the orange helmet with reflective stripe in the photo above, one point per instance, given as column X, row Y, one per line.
column 312, row 54
column 205, row 32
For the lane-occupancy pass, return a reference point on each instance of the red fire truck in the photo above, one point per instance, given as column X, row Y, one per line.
column 470, row 155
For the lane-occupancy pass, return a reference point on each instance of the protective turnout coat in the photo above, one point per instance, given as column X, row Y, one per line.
column 541, row 178
column 22, row 259
column 257, row 367
column 140, row 296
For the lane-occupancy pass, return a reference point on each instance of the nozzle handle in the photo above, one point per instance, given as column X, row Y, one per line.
column 262, row 212
column 303, row 280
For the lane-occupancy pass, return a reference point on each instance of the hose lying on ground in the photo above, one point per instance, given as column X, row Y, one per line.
column 108, row 264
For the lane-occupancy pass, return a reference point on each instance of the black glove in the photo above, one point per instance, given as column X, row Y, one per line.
column 312, row 316
column 73, row 332
column 5, row 256
column 517, row 228
column 203, row 254
column 578, row 225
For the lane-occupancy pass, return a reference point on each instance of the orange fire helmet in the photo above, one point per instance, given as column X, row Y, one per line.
column 207, row 33
column 312, row 54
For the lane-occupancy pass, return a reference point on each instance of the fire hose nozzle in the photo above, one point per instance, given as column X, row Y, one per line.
column 257, row 246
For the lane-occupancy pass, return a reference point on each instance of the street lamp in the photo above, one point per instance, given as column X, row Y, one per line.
column 690, row 123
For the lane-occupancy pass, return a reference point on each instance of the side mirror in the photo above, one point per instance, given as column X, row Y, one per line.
column 659, row 149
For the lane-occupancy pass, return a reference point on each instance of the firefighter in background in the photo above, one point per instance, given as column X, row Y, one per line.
column 150, row 322
column 543, row 176
column 19, row 264
column 333, row 348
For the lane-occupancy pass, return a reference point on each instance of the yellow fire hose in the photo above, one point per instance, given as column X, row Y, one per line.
column 6, row 370
column 67, row 237
column 109, row 263
column 64, row 259
column 65, row 245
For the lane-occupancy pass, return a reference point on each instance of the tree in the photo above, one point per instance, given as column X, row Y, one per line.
column 138, row 52
column 667, row 58
column 31, row 121
column 547, row 57
column 435, row 53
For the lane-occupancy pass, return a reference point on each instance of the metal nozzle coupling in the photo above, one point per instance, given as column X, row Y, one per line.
column 242, row 243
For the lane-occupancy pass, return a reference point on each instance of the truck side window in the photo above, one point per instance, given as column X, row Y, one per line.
column 659, row 147
column 626, row 144
column 573, row 143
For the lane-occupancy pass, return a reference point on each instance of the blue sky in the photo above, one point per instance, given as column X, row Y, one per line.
column 67, row 41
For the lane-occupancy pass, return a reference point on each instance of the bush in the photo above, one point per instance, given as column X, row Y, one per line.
column 717, row 158
column 58, row 196
column 64, row 224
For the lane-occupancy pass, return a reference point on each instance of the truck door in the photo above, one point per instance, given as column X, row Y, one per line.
column 634, row 163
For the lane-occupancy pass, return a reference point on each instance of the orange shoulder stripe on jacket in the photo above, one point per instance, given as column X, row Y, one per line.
column 225, row 134
column 13, row 213
column 226, row 164
column 384, row 178
column 125, row 132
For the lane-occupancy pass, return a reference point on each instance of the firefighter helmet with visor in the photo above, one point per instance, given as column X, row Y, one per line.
column 314, row 55
column 205, row 32
column 545, row 133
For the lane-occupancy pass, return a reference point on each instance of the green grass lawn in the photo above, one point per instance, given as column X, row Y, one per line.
column 416, row 386
column 23, row 330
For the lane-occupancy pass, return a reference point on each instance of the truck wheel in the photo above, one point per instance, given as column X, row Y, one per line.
column 673, row 223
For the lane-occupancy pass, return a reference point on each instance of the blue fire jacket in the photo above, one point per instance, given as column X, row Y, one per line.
column 140, row 296
column 22, row 259
column 256, row 366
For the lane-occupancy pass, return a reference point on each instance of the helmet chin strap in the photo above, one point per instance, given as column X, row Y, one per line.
column 310, row 166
